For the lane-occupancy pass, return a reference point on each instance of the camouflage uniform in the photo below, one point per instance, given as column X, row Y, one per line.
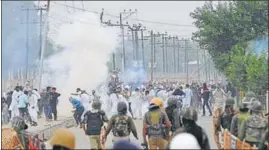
column 239, row 118
column 264, row 142
column 253, row 128
column 173, row 113
column 225, row 118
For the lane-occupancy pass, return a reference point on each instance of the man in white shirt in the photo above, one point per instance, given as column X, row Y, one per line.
column 188, row 96
column 219, row 96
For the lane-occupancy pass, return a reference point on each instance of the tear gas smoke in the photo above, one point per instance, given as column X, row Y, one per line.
column 87, row 47
column 138, row 76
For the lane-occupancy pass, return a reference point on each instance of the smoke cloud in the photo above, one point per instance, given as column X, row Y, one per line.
column 82, row 63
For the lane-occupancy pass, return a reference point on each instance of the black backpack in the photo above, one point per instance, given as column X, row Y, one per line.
column 94, row 123
column 121, row 127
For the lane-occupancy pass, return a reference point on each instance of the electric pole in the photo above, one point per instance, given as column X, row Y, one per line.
column 151, row 55
column 198, row 64
column 186, row 62
column 205, row 66
column 27, row 35
column 166, row 55
column 134, row 29
column 174, row 53
column 163, row 52
column 44, row 40
column 142, row 46
column 27, row 43
column 121, row 25
column 178, row 51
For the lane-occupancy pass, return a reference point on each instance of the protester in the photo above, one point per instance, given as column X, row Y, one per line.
column 53, row 102
column 78, row 110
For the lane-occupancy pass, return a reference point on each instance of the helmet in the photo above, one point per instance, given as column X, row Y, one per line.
column 243, row 105
column 256, row 106
column 172, row 101
column 18, row 124
column 157, row 101
column 63, row 137
column 229, row 102
column 184, row 141
column 96, row 104
column 189, row 113
column 122, row 107
column 250, row 94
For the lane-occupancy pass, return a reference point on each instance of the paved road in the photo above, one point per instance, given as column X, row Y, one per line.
column 82, row 142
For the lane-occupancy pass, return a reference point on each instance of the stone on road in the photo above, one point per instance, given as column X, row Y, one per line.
column 82, row 141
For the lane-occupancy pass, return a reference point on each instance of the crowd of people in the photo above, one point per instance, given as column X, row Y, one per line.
column 169, row 112
column 30, row 104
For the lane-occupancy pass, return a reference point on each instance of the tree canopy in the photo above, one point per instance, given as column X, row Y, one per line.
column 225, row 30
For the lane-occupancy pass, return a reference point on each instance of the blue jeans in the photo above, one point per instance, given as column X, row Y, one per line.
column 77, row 115
column 47, row 111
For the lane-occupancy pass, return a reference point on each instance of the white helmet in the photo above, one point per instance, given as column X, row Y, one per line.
column 184, row 141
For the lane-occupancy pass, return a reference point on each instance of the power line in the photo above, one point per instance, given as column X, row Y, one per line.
column 115, row 16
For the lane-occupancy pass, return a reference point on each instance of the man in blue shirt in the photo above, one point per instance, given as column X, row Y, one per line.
column 78, row 110
column 22, row 105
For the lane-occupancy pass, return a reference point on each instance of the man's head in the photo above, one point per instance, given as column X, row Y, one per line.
column 122, row 107
column 26, row 92
column 187, row 85
column 16, row 88
column 255, row 106
column 48, row 88
column 147, row 92
column 137, row 89
column 53, row 89
column 78, row 90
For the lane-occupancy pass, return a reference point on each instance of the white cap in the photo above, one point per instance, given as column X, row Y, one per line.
column 184, row 141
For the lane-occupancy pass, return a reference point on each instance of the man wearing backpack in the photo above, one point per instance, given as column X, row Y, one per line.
column 156, row 126
column 121, row 124
column 252, row 128
column 92, row 124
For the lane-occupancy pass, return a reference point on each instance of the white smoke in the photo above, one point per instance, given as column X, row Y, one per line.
column 83, row 62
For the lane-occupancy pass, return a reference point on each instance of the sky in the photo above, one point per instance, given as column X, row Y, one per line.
column 171, row 12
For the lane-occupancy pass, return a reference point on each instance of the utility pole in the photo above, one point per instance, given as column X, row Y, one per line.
column 44, row 40
column 198, row 64
column 205, row 66
column 27, row 34
column 123, row 44
column 163, row 53
column 133, row 42
column 166, row 55
column 121, row 25
column 134, row 31
column 27, row 43
column 178, row 51
column 151, row 55
column 174, row 53
column 142, row 47
column 186, row 62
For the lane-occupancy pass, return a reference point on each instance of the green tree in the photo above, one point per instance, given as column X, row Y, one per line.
column 225, row 31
